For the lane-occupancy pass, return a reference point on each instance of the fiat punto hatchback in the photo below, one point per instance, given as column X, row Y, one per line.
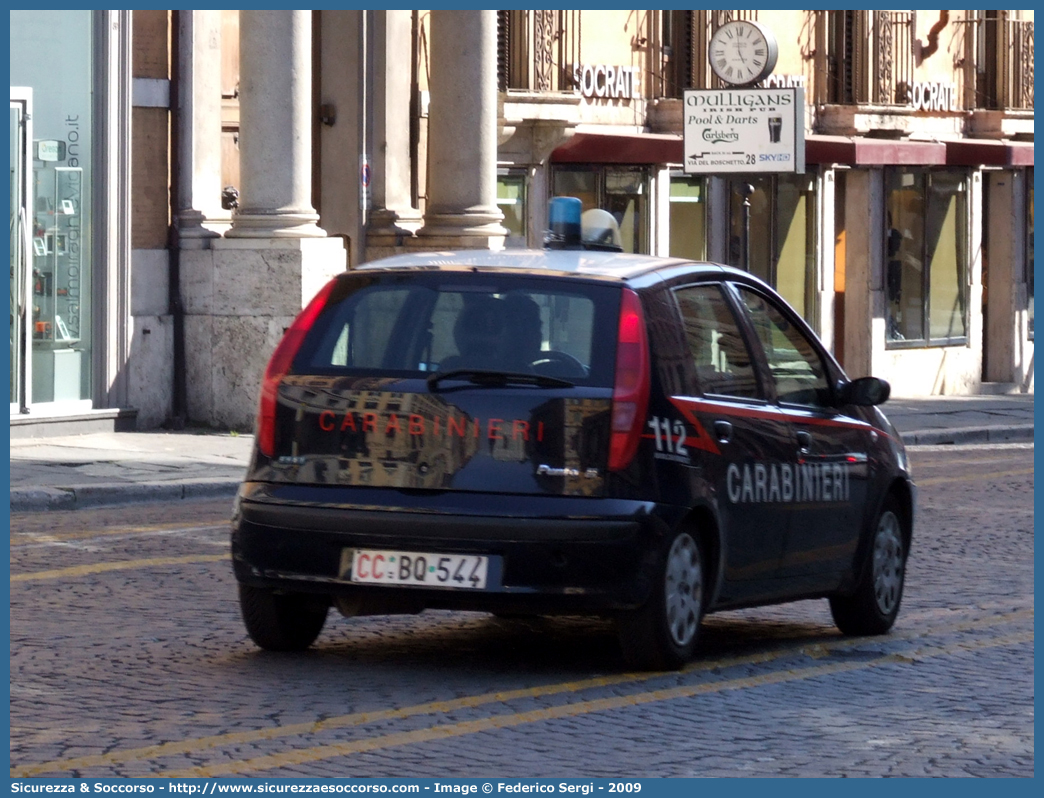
column 565, row 432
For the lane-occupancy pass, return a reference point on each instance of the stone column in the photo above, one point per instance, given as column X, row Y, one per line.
column 1002, row 339
column 825, row 267
column 393, row 217
column 342, row 88
column 275, row 141
column 462, row 162
column 864, row 295
column 200, row 216
column 244, row 292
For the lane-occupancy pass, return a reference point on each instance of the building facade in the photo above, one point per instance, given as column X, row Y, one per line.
column 182, row 181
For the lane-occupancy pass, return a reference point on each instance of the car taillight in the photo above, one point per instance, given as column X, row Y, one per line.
column 631, row 389
column 279, row 365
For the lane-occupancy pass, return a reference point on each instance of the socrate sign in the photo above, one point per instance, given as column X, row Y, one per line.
column 745, row 130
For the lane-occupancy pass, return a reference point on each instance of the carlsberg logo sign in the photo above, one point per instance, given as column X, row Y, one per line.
column 719, row 136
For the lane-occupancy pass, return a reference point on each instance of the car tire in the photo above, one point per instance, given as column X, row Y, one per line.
column 281, row 622
column 873, row 607
column 662, row 633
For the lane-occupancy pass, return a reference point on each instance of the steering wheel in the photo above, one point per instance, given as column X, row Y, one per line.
column 558, row 364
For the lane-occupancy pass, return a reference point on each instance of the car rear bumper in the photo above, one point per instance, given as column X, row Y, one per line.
column 547, row 554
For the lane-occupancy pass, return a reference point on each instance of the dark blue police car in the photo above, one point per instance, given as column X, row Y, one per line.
column 565, row 431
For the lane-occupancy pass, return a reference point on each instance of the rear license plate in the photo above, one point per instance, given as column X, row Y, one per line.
column 425, row 569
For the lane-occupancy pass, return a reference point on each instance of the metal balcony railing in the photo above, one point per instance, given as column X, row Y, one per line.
column 1004, row 62
column 1017, row 65
column 893, row 60
column 536, row 50
column 869, row 57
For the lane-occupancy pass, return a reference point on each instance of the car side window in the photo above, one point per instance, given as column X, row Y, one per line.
column 724, row 365
column 796, row 366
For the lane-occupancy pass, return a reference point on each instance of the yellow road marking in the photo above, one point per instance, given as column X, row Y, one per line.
column 103, row 567
column 442, row 732
column 30, row 538
column 151, row 752
column 1019, row 472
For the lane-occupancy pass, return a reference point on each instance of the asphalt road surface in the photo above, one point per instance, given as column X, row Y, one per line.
column 128, row 658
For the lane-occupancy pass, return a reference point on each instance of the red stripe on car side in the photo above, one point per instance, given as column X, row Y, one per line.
column 704, row 405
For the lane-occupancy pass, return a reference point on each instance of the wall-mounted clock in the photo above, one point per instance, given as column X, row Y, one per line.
column 742, row 52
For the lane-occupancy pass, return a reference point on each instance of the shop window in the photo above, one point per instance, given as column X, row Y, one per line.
column 625, row 197
column 579, row 183
column 621, row 190
column 926, row 257
column 52, row 58
column 511, row 199
column 688, row 217
column 782, row 242
column 20, row 159
column 1029, row 250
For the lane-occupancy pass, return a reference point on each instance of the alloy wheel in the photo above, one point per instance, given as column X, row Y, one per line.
column 683, row 586
column 888, row 563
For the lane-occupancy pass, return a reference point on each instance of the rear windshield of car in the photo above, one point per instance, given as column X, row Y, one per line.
column 416, row 324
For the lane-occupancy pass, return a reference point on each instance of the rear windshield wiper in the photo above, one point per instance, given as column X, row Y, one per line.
column 496, row 378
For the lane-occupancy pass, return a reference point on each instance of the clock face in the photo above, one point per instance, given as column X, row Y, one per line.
column 742, row 52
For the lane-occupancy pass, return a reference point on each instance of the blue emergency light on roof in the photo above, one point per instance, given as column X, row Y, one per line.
column 572, row 228
column 563, row 215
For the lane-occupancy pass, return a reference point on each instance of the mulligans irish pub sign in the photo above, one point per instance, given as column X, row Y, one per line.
column 744, row 130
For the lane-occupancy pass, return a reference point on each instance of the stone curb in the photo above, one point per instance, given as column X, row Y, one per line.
column 1007, row 433
column 78, row 497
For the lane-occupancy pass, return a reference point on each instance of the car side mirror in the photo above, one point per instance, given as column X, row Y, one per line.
column 864, row 392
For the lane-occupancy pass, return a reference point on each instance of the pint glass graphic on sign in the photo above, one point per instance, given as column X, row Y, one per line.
column 775, row 126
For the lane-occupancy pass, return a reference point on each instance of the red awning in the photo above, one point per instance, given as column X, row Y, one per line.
column 1020, row 153
column 658, row 148
column 861, row 151
column 989, row 152
column 975, row 152
column 620, row 148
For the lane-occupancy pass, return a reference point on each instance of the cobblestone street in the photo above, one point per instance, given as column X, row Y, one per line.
column 129, row 659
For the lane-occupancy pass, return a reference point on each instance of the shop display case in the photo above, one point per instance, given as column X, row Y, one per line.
column 57, row 268
column 57, row 255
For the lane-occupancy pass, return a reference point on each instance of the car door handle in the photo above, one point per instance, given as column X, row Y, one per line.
column 723, row 431
column 804, row 440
